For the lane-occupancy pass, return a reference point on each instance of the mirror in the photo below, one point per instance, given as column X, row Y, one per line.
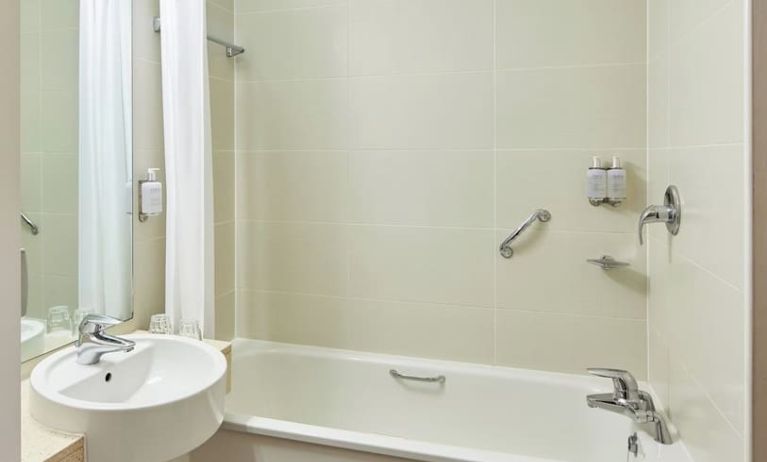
column 76, row 167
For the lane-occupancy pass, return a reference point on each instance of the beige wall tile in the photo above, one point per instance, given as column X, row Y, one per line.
column 293, row 44
column 147, row 106
column 530, row 34
column 414, row 112
column 32, row 186
column 546, row 259
column 410, row 36
column 292, row 115
column 436, row 265
column 224, row 255
column 60, row 188
column 557, row 180
column 57, row 14
column 430, row 188
column 707, row 82
column 246, row 6
column 58, row 122
column 146, row 42
column 223, row 186
column 569, row 343
column 225, row 316
column 583, row 107
column 222, row 114
column 300, row 257
column 293, row 186
column 59, row 244
column 59, row 50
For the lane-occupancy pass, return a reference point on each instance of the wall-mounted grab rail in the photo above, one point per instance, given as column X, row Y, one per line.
column 541, row 215
column 33, row 228
column 435, row 379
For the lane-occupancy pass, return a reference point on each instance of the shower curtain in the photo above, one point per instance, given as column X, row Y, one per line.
column 189, row 265
column 104, row 158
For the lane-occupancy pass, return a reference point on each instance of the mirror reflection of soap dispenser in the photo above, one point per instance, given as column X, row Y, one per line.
column 150, row 195
column 616, row 183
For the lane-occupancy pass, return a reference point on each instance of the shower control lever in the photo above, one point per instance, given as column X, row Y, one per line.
column 669, row 213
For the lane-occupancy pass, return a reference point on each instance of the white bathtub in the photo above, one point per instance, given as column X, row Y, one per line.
column 295, row 403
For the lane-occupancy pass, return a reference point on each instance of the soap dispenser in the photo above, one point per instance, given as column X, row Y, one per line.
column 616, row 183
column 596, row 182
column 150, row 195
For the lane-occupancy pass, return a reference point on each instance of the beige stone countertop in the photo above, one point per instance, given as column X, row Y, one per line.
column 42, row 444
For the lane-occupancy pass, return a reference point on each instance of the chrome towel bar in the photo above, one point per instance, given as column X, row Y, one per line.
column 232, row 50
column 541, row 215
column 441, row 379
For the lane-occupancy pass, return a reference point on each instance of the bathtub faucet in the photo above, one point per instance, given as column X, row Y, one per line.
column 628, row 400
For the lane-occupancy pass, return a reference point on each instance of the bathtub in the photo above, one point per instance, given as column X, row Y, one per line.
column 295, row 403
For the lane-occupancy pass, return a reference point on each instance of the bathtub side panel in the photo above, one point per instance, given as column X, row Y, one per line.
column 228, row 445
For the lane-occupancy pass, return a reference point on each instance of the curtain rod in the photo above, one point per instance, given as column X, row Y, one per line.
column 232, row 50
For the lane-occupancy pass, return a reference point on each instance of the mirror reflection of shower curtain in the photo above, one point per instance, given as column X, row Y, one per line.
column 105, row 170
column 189, row 259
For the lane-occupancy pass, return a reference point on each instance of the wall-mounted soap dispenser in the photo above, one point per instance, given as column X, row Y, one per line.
column 616, row 183
column 150, row 195
column 596, row 182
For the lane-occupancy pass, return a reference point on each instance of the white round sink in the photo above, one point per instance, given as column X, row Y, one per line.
column 153, row 404
column 32, row 338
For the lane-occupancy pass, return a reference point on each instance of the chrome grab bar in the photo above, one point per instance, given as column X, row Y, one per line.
column 441, row 379
column 541, row 215
column 32, row 226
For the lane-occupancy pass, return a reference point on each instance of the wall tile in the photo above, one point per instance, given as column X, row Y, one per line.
column 608, row 32
column 58, row 122
column 292, row 115
column 431, row 188
column 300, row 257
column 222, row 114
column 293, row 44
column 569, row 343
column 57, row 14
column 436, row 265
column 59, row 60
column 247, row 6
column 225, row 317
column 293, row 186
column 707, row 83
column 147, row 106
column 557, row 180
column 60, row 190
column 225, row 258
column 410, row 36
column 60, row 244
column 586, row 107
column 146, row 42
column 544, row 258
column 412, row 112
column 32, row 186
column 223, row 186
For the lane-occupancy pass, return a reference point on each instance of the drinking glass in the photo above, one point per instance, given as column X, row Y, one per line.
column 59, row 318
column 190, row 328
column 160, row 324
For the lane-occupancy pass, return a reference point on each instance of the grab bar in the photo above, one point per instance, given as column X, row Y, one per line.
column 541, row 215
column 437, row 379
column 32, row 226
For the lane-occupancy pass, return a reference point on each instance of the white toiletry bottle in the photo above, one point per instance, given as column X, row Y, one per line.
column 616, row 183
column 151, row 194
column 596, row 182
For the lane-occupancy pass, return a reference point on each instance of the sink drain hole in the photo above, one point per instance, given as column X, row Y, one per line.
column 108, row 377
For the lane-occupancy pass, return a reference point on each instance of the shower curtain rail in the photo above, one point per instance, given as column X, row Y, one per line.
column 232, row 50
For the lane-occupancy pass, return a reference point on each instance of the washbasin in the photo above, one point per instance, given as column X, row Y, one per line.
column 155, row 403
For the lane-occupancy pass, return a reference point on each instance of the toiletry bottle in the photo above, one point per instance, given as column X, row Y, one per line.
column 616, row 183
column 596, row 182
column 151, row 194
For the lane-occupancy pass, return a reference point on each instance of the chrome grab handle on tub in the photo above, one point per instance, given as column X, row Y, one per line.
column 541, row 215
column 437, row 379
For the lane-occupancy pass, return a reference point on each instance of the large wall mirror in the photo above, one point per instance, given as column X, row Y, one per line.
column 76, row 167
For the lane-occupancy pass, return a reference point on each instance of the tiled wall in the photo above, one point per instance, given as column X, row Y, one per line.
column 49, row 143
column 386, row 147
column 699, row 292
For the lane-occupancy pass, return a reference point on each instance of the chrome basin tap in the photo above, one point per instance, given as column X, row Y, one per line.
column 628, row 400
column 94, row 342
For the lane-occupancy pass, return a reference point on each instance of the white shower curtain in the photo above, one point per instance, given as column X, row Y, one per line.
column 105, row 99
column 189, row 265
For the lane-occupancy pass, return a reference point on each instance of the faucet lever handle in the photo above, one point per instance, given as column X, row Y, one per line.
column 624, row 383
column 93, row 323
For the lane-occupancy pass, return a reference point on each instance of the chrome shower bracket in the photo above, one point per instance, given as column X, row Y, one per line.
column 671, row 199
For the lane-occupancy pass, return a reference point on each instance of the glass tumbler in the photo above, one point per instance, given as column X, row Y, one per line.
column 190, row 328
column 59, row 319
column 160, row 324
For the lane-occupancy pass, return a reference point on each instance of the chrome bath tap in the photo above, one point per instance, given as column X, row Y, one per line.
column 94, row 342
column 628, row 400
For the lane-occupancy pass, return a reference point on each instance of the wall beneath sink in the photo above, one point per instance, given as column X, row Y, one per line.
column 385, row 148
column 699, row 292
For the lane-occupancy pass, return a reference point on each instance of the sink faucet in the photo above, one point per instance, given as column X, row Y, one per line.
column 628, row 400
column 94, row 342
